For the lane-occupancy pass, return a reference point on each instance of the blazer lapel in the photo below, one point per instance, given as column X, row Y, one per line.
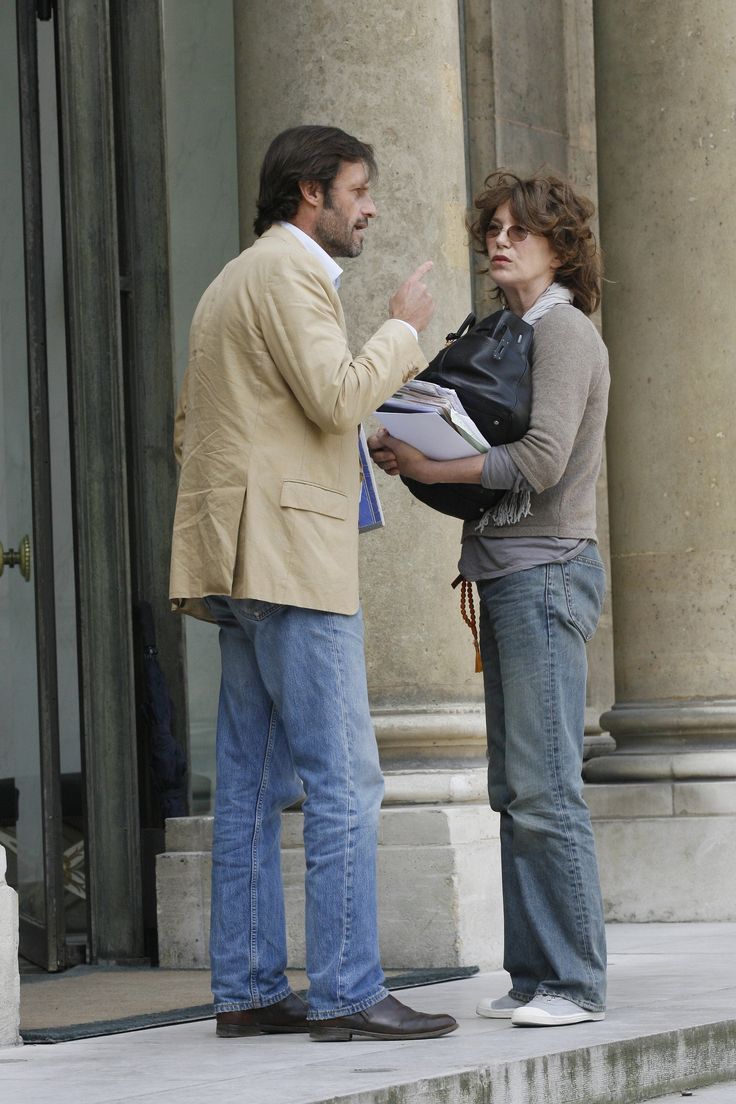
column 295, row 246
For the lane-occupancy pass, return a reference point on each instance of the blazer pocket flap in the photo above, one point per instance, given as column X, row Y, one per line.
column 310, row 496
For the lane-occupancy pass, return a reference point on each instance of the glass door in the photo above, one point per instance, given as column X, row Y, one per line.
column 41, row 815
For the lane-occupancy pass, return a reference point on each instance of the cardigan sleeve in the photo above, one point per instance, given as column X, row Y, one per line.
column 566, row 364
column 500, row 473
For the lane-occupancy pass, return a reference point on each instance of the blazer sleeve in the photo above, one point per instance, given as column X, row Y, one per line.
column 308, row 345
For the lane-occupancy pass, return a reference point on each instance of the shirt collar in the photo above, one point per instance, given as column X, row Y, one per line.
column 332, row 269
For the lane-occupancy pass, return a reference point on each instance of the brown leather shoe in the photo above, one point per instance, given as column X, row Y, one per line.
column 389, row 1019
column 286, row 1017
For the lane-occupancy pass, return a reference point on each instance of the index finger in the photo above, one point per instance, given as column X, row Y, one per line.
column 421, row 271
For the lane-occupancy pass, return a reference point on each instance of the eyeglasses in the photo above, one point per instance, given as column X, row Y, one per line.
column 515, row 234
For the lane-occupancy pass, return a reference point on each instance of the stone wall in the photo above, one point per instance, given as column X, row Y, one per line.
column 9, row 976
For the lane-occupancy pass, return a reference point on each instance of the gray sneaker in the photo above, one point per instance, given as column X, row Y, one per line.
column 500, row 1009
column 548, row 1011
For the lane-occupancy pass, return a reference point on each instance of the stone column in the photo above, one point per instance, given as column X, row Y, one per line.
column 667, row 140
column 446, row 93
column 9, row 976
column 531, row 103
column 393, row 76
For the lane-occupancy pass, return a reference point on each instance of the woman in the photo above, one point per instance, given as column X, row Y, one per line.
column 541, row 585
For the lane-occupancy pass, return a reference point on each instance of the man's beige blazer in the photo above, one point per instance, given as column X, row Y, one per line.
column 267, row 433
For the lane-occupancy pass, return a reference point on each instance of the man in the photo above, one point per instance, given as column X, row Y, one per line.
column 266, row 532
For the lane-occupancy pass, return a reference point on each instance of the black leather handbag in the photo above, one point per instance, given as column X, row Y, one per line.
column 488, row 365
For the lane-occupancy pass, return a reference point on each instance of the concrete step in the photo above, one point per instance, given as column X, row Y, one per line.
column 671, row 1027
column 724, row 1093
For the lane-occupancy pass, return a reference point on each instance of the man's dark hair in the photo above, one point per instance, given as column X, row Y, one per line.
column 304, row 153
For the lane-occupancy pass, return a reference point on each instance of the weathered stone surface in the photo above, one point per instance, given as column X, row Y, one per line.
column 439, row 885
column 439, row 890
column 670, row 1028
column 9, row 976
column 667, row 868
column 183, row 905
column 345, row 67
column 666, row 85
column 665, row 849
column 635, row 799
column 193, row 833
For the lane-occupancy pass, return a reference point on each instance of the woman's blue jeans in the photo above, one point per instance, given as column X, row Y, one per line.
column 533, row 628
column 294, row 711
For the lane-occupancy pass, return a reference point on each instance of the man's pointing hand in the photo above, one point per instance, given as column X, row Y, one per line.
column 412, row 302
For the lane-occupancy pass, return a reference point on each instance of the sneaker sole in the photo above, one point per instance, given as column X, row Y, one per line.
column 534, row 1019
column 495, row 1014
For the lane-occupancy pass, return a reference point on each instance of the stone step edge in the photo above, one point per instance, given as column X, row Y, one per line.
column 622, row 1071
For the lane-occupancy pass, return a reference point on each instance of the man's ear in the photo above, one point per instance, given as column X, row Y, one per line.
column 312, row 192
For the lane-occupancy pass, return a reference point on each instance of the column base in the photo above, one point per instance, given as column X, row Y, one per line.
column 439, row 878
column 668, row 739
column 665, row 850
column 438, row 737
column 452, row 736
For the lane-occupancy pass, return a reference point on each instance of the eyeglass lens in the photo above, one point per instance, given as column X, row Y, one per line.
column 515, row 233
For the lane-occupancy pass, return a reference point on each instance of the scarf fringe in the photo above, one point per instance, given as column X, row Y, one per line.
column 514, row 506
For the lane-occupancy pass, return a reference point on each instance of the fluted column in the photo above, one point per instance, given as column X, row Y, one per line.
column 666, row 90
column 392, row 76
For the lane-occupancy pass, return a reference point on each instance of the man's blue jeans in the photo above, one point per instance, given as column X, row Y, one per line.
column 294, row 711
column 533, row 628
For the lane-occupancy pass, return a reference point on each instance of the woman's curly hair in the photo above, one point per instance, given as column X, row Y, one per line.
column 550, row 206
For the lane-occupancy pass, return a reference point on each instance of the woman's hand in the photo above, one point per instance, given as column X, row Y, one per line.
column 397, row 458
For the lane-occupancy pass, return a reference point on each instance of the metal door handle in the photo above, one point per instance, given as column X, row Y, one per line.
column 21, row 558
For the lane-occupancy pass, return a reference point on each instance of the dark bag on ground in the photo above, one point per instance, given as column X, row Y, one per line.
column 488, row 365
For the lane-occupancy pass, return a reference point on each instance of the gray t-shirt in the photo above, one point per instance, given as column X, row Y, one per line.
column 490, row 557
column 493, row 557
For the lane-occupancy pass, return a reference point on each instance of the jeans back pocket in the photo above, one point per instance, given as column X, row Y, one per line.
column 585, row 590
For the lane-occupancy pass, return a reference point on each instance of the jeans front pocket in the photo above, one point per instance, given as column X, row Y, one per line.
column 585, row 590
column 254, row 609
column 224, row 608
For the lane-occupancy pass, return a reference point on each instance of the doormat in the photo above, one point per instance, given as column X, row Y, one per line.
column 144, row 997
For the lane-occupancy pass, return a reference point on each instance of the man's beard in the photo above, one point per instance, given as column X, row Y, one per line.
column 335, row 234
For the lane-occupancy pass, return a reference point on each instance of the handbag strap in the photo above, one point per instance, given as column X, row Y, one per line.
column 466, row 325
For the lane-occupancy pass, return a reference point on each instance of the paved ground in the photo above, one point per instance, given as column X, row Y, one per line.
column 671, row 1026
column 714, row 1094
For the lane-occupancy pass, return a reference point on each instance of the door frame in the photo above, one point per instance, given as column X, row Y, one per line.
column 115, row 194
column 44, row 944
column 110, row 103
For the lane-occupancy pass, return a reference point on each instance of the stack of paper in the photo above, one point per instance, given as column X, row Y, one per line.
column 433, row 420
